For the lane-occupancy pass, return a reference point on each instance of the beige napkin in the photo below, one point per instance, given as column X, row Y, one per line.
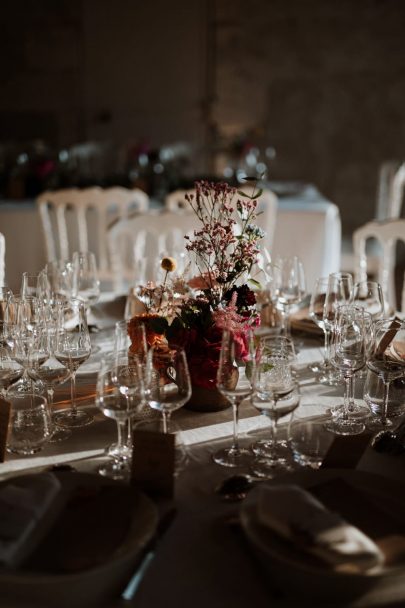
column 299, row 517
column 301, row 322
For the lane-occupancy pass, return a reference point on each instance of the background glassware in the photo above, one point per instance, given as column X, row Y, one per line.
column 172, row 389
column 289, row 281
column 51, row 373
column 309, row 441
column 24, row 333
column 10, row 370
column 235, row 384
column 369, row 295
column 59, row 274
column 72, row 349
column 316, row 313
column 120, row 393
column 275, row 395
column 349, row 354
column 387, row 358
column 6, row 297
column 86, row 286
column 35, row 285
column 29, row 425
column 374, row 397
column 340, row 285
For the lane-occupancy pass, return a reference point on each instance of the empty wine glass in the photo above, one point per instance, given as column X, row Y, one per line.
column 10, row 370
column 275, row 395
column 387, row 359
column 381, row 417
column 368, row 295
column 170, row 389
column 72, row 349
column 316, row 313
column 234, row 381
column 338, row 292
column 86, row 286
column 29, row 425
column 59, row 275
column 289, row 280
column 6, row 297
column 349, row 354
column 120, row 392
column 278, row 355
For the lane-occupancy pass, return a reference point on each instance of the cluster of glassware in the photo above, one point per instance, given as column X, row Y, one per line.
column 44, row 340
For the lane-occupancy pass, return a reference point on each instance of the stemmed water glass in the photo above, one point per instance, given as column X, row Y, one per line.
column 289, row 281
column 338, row 292
column 275, row 395
column 234, row 381
column 167, row 382
column 276, row 353
column 72, row 349
column 120, row 393
column 387, row 359
column 349, row 354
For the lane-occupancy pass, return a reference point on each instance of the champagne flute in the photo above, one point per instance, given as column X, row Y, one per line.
column 234, row 381
column 171, row 388
column 72, row 349
column 338, row 292
column 349, row 354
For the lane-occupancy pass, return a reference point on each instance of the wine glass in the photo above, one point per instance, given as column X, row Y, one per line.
column 59, row 275
column 316, row 313
column 6, row 298
column 170, row 388
column 278, row 354
column 234, row 381
column 289, row 280
column 72, row 349
column 349, row 354
column 35, row 285
column 275, row 395
column 120, row 393
column 387, row 359
column 373, row 395
column 10, row 370
column 126, row 346
column 29, row 425
column 369, row 295
column 86, row 286
column 51, row 373
column 338, row 292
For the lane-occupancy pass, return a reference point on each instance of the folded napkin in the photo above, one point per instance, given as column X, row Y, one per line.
column 24, row 503
column 301, row 322
column 299, row 517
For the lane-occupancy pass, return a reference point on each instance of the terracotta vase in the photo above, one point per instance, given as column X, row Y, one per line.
column 211, row 400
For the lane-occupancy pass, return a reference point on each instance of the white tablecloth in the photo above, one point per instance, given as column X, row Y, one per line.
column 308, row 225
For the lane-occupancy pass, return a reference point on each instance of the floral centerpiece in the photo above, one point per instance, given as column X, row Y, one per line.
column 192, row 312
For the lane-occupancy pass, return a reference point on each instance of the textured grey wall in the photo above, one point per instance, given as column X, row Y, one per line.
column 323, row 81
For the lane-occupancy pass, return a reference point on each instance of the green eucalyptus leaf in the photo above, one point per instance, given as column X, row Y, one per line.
column 255, row 283
column 258, row 193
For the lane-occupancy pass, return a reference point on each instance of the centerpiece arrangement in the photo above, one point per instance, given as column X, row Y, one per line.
column 192, row 311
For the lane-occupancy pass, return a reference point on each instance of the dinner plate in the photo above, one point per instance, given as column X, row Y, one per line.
column 297, row 572
column 91, row 550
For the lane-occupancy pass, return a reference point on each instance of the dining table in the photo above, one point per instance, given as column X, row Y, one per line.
column 203, row 557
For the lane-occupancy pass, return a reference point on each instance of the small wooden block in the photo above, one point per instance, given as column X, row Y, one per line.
column 4, row 420
column 153, row 462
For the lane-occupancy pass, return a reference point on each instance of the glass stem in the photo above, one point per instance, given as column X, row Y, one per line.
column 73, row 393
column 351, row 404
column 121, row 434
column 235, row 411
column 327, row 347
column 287, row 321
column 166, row 421
column 346, row 398
column 384, row 411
